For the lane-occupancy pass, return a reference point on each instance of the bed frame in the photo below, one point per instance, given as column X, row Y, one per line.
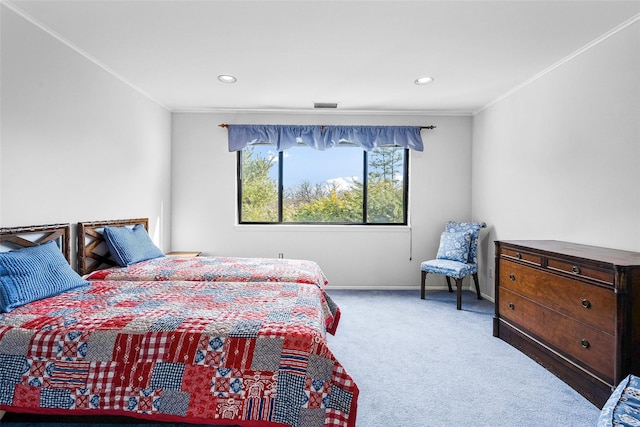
column 12, row 238
column 22, row 237
column 93, row 253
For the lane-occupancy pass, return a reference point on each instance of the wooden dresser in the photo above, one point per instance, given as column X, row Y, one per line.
column 575, row 309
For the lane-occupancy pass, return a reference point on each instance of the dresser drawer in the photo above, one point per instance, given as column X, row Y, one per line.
column 522, row 256
column 577, row 341
column 581, row 271
column 584, row 302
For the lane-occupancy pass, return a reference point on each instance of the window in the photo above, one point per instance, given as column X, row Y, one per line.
column 342, row 185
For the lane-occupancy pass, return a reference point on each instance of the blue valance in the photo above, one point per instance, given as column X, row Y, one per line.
column 324, row 137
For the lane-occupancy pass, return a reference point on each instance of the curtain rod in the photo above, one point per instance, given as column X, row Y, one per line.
column 225, row 125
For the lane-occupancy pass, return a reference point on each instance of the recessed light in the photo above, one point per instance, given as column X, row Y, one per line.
column 226, row 78
column 423, row 80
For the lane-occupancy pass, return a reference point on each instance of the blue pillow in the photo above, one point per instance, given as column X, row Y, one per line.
column 454, row 246
column 130, row 245
column 33, row 273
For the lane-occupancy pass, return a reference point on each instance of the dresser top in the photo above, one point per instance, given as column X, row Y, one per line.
column 607, row 255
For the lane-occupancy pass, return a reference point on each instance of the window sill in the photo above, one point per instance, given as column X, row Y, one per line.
column 283, row 228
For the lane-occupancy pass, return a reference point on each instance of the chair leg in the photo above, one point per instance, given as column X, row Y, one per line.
column 459, row 294
column 449, row 283
column 424, row 277
column 475, row 280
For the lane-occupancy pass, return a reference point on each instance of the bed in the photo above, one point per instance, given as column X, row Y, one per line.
column 95, row 262
column 250, row 353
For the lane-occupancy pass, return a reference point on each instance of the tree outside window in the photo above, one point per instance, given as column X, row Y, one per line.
column 343, row 185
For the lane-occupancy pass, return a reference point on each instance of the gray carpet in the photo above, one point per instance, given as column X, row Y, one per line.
column 422, row 363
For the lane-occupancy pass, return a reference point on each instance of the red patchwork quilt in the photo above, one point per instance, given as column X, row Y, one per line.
column 243, row 353
column 227, row 269
column 223, row 269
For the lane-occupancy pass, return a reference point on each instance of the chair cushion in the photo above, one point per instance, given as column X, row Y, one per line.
column 623, row 406
column 454, row 246
column 449, row 268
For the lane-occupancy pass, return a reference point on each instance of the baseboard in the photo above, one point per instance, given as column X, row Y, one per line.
column 382, row 288
column 400, row 288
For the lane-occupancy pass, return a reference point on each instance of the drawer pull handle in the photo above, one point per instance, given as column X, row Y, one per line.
column 586, row 303
column 512, row 277
column 575, row 269
column 585, row 343
column 518, row 255
column 512, row 306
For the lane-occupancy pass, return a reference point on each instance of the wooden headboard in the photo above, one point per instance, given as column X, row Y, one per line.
column 22, row 237
column 93, row 253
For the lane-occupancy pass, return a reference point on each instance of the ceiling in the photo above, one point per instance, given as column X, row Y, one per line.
column 362, row 55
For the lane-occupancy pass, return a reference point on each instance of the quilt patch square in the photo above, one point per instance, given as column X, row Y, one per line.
column 85, row 400
column 238, row 353
column 100, row 345
column 294, row 361
column 291, row 398
column 145, row 401
column 340, row 399
column 227, row 383
column 167, row 376
column 181, row 347
column 316, row 391
column 260, row 384
column 13, row 367
column 27, row 396
column 70, row 375
column 198, row 379
column 101, row 375
column 45, row 344
column 16, row 342
column 174, row 402
column 38, row 374
column 56, row 398
column 256, row 408
column 311, row 417
column 209, row 351
column 320, row 367
column 166, row 323
column 228, row 408
column 73, row 346
column 266, row 355
column 246, row 329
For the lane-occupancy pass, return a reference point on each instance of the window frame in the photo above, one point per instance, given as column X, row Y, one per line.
column 365, row 190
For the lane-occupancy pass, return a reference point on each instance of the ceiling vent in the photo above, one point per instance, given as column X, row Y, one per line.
column 325, row 105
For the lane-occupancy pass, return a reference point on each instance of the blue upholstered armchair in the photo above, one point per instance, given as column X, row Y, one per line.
column 457, row 257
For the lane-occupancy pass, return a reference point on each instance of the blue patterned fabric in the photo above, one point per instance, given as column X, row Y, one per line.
column 453, row 268
column 454, row 246
column 324, row 137
column 623, row 406
column 449, row 268
column 33, row 273
column 474, row 228
column 130, row 245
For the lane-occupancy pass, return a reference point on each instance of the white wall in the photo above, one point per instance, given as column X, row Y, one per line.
column 77, row 144
column 204, row 202
column 560, row 158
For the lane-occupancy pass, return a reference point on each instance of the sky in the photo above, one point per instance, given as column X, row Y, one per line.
column 339, row 163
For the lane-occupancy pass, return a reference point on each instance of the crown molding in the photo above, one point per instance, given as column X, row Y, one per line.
column 316, row 112
column 11, row 6
column 563, row 61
